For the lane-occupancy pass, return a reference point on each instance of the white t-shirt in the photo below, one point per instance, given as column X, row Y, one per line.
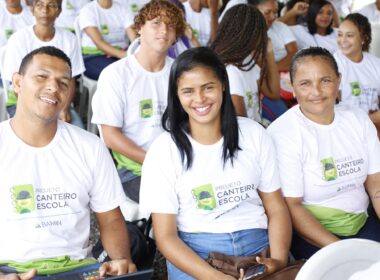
column 199, row 22
column 305, row 39
column 281, row 35
column 360, row 84
column 70, row 10
column 10, row 23
column 229, row 5
column 244, row 84
column 132, row 98
column 112, row 24
column 208, row 197
column 24, row 41
column 371, row 12
column 46, row 193
column 327, row 165
column 133, row 6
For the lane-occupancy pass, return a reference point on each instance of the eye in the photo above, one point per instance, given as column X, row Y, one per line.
column 304, row 83
column 64, row 84
column 326, row 81
column 41, row 77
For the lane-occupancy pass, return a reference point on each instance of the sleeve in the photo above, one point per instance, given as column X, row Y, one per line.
column 87, row 17
column 286, row 33
column 269, row 180
column 107, row 103
column 288, row 150
column 15, row 52
column 76, row 57
column 373, row 143
column 236, row 87
column 107, row 192
column 127, row 16
column 157, row 191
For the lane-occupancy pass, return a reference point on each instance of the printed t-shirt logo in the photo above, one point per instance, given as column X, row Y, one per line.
column 104, row 29
column 134, row 8
column 329, row 169
column 146, row 108
column 355, row 88
column 249, row 96
column 69, row 6
column 204, row 196
column 23, row 198
column 8, row 33
column 196, row 33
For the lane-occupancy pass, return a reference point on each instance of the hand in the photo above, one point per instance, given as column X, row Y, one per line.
column 272, row 265
column 222, row 276
column 21, row 276
column 117, row 267
column 65, row 115
column 300, row 8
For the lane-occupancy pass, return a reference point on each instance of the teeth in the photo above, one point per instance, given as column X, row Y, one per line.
column 201, row 109
column 48, row 100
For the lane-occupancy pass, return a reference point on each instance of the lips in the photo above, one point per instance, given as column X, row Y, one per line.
column 202, row 111
column 48, row 99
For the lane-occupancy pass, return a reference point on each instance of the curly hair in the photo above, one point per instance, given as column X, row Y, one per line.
column 314, row 8
column 156, row 8
column 362, row 24
column 242, row 32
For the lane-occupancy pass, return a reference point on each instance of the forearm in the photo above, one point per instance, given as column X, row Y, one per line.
column 271, row 83
column 372, row 185
column 280, row 232
column 110, row 50
column 117, row 141
column 214, row 25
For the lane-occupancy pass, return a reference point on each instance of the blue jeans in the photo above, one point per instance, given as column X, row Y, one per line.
column 95, row 64
column 131, row 184
column 272, row 109
column 238, row 243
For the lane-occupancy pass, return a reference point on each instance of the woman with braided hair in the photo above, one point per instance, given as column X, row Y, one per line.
column 360, row 70
column 242, row 43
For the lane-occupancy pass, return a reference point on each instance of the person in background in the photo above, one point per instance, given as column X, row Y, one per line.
column 70, row 11
column 371, row 11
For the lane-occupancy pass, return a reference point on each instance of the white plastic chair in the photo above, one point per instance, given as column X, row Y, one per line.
column 4, row 89
column 375, row 44
column 85, row 83
column 340, row 260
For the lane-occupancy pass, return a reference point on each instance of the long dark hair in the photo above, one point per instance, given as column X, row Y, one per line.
column 242, row 30
column 176, row 121
column 314, row 8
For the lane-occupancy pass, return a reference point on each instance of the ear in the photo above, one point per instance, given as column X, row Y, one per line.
column 16, row 82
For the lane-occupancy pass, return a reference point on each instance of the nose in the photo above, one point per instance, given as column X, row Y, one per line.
column 199, row 96
column 163, row 27
column 316, row 89
column 52, row 85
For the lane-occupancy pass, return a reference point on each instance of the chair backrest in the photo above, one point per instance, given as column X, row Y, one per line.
column 340, row 260
column 375, row 44
column 4, row 89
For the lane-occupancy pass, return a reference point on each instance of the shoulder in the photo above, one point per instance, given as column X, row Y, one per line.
column 79, row 135
column 287, row 123
column 67, row 35
column 116, row 69
column 249, row 126
column 163, row 144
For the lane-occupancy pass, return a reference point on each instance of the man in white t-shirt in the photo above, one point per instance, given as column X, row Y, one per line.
column 371, row 11
column 53, row 173
column 132, row 93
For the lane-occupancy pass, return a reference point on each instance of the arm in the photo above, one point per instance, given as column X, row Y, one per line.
column 279, row 228
column 22, row 276
column 270, row 86
column 239, row 105
column 214, row 7
column 291, row 49
column 290, row 17
column 115, row 240
column 189, row 34
column 117, row 141
column 131, row 33
column 307, row 226
column 372, row 185
column 65, row 113
column 101, row 44
column 178, row 253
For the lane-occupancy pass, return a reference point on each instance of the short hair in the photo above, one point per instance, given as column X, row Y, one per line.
column 241, row 32
column 176, row 121
column 48, row 50
column 59, row 3
column 314, row 8
column 312, row 52
column 363, row 25
column 155, row 8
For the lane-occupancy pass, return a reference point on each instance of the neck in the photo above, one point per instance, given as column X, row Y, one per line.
column 150, row 60
column 205, row 134
column 357, row 57
column 34, row 133
column 44, row 33
column 321, row 31
column 105, row 4
column 14, row 10
column 325, row 119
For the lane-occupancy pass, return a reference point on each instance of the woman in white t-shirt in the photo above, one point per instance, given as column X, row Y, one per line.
column 241, row 41
column 318, row 29
column 328, row 159
column 360, row 70
column 211, row 180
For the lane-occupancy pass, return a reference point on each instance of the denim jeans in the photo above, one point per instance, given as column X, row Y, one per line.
column 239, row 243
column 131, row 184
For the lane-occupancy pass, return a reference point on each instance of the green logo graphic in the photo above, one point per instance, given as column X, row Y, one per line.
column 8, row 33
column 249, row 95
column 146, row 108
column 69, row 6
column 134, row 8
column 329, row 169
column 355, row 88
column 196, row 33
column 104, row 29
column 23, row 198
column 204, row 196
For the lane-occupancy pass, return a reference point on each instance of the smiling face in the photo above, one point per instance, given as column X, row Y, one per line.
column 200, row 93
column 316, row 84
column 324, row 17
column 43, row 89
column 269, row 10
column 349, row 40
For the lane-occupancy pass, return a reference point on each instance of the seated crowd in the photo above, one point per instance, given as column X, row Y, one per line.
column 241, row 127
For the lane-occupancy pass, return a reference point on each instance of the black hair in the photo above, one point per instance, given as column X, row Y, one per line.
column 59, row 3
column 49, row 50
column 176, row 121
column 241, row 33
column 312, row 52
column 314, row 8
column 362, row 24
column 256, row 2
